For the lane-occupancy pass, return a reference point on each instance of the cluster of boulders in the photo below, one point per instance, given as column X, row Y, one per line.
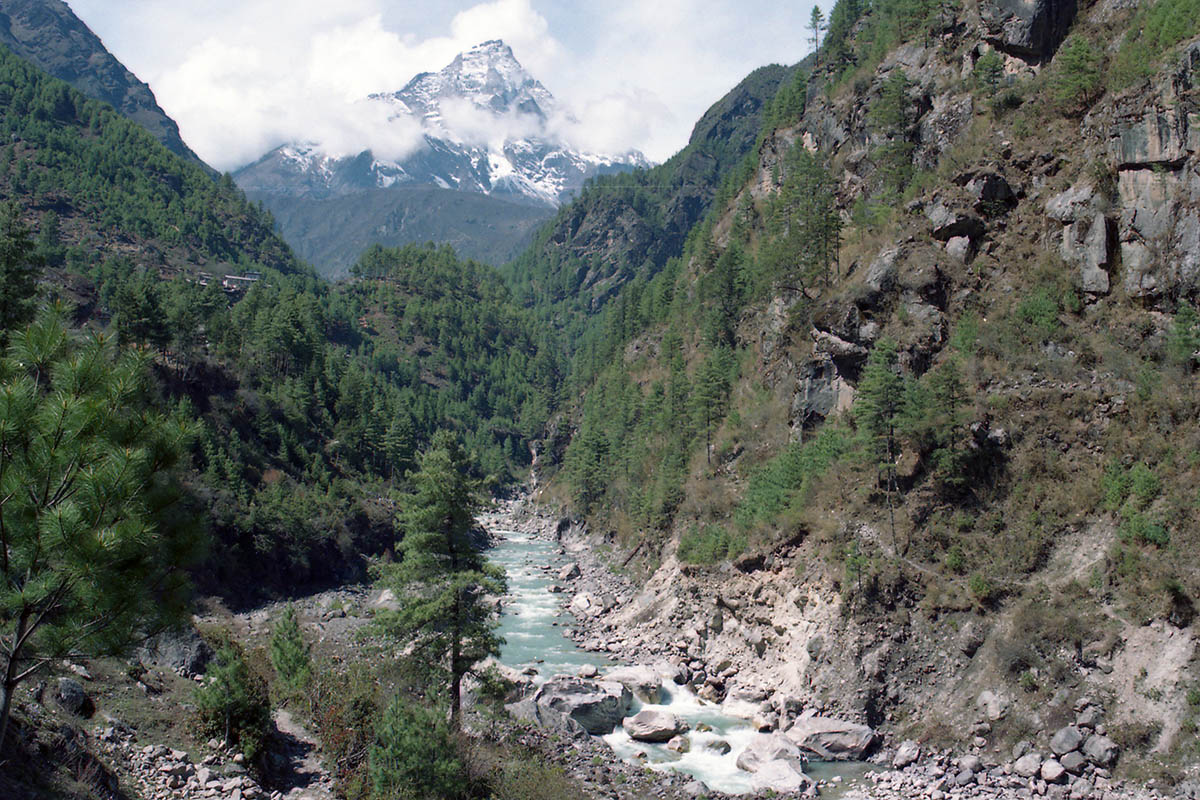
column 160, row 772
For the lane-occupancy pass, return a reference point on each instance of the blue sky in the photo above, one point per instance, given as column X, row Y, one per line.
column 243, row 76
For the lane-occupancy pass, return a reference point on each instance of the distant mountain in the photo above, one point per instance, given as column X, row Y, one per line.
column 498, row 95
column 49, row 35
column 334, row 231
column 486, row 129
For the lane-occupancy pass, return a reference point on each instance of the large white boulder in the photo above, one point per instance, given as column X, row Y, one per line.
column 766, row 747
column 645, row 682
column 831, row 739
column 780, row 776
column 596, row 706
column 653, row 725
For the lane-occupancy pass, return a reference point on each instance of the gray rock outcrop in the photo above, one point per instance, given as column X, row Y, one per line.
column 1029, row 29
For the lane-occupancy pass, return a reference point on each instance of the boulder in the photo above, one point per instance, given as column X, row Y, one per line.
column 992, row 705
column 1029, row 29
column 596, row 706
column 1101, row 750
column 907, row 753
column 831, row 739
column 881, row 275
column 765, row 747
column 679, row 744
column 72, row 697
column 1065, row 740
column 1073, row 762
column 386, row 601
column 179, row 651
column 645, row 682
column 583, row 605
column 719, row 746
column 948, row 223
column 959, row 248
column 1052, row 771
column 569, row 572
column 992, row 194
column 653, row 725
column 1028, row 765
column 780, row 776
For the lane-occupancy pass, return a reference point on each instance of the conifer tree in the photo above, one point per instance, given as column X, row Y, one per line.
column 94, row 533
column 19, row 270
column 442, row 579
column 289, row 652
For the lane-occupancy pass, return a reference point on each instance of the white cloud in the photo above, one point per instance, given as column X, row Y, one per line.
column 243, row 76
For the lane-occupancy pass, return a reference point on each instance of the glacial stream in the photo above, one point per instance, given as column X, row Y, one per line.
column 532, row 624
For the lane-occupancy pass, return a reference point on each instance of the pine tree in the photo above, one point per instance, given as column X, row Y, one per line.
column 442, row 580
column 94, row 531
column 19, row 270
column 289, row 653
column 816, row 24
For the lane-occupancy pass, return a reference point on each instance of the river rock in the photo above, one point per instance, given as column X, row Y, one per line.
column 679, row 744
column 644, row 681
column 569, row 572
column 780, row 776
column 718, row 746
column 653, row 725
column 831, row 739
column 765, row 747
column 596, row 706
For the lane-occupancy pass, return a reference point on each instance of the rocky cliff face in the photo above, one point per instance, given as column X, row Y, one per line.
column 47, row 34
column 1096, row 218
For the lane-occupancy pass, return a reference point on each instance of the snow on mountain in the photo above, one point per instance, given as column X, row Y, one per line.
column 488, row 127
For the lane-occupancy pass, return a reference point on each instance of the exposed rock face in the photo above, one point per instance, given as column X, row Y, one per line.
column 820, row 391
column 948, row 223
column 653, row 725
column 1155, row 142
column 645, row 682
column 1086, row 234
column 1029, row 29
column 596, row 706
column 831, row 739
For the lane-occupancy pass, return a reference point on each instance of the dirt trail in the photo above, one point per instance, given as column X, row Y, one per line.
column 305, row 777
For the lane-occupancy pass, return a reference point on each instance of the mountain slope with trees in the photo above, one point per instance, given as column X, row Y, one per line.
column 931, row 364
column 49, row 35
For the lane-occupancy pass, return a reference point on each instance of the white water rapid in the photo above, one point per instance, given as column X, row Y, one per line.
column 532, row 624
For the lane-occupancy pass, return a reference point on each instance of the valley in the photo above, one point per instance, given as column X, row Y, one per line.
column 853, row 451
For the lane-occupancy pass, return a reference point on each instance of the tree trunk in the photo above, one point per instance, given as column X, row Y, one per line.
column 6, row 693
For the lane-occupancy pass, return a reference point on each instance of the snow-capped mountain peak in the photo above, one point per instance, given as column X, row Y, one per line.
column 489, row 126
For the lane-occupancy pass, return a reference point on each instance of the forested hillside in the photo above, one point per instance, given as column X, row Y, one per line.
column 933, row 350
column 312, row 398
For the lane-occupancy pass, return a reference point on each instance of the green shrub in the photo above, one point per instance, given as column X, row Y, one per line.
column 710, row 544
column 982, row 589
column 233, row 703
column 1039, row 311
column 785, row 480
column 1138, row 527
column 1151, row 33
column 414, row 755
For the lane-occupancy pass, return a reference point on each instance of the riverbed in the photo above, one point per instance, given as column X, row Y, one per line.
column 533, row 624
